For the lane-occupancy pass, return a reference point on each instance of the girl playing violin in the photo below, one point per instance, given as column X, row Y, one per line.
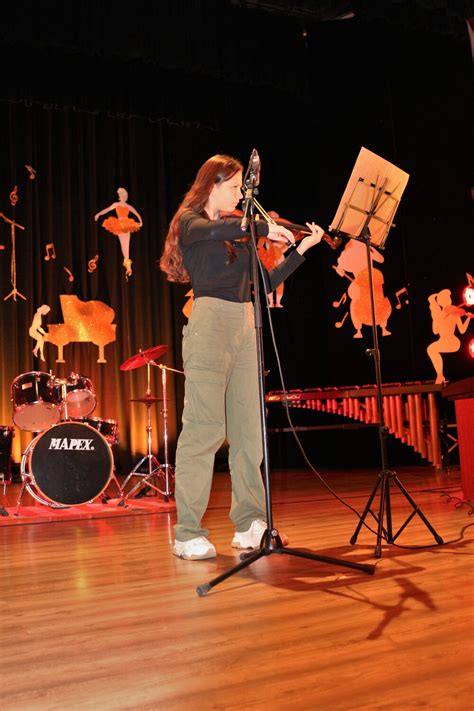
column 219, row 354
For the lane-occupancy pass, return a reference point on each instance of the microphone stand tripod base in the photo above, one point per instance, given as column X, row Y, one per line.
column 272, row 544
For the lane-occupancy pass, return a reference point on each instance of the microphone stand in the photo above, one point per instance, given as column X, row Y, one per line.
column 271, row 541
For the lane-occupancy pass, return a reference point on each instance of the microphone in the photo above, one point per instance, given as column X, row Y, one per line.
column 255, row 167
column 251, row 180
column 252, row 173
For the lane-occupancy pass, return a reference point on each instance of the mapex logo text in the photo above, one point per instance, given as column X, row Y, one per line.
column 65, row 443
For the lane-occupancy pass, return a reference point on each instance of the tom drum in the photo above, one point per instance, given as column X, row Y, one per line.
column 108, row 428
column 78, row 393
column 36, row 402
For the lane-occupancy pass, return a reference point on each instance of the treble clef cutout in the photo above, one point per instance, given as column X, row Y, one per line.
column 92, row 264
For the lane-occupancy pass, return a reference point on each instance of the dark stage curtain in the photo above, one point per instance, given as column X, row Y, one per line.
column 217, row 78
column 81, row 159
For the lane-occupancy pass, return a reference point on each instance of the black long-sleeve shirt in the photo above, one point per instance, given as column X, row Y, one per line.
column 207, row 261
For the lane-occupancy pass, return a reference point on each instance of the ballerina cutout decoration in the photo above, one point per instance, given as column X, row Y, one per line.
column 122, row 225
column 37, row 331
column 353, row 261
column 446, row 318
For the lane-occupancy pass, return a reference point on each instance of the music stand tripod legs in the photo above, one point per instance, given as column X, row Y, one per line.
column 386, row 476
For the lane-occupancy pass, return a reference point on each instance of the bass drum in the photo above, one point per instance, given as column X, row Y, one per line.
column 68, row 465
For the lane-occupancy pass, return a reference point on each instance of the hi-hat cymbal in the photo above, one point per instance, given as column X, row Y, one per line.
column 143, row 357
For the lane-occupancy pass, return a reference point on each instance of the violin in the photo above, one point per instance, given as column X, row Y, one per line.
column 299, row 231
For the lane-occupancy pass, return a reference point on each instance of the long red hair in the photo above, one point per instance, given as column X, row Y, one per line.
column 215, row 170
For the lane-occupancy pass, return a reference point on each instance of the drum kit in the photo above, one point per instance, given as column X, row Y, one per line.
column 69, row 461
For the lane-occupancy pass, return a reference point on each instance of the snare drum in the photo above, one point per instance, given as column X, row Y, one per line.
column 107, row 428
column 6, row 437
column 68, row 465
column 77, row 393
column 36, row 401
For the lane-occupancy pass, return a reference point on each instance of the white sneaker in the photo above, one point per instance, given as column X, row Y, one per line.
column 253, row 536
column 195, row 549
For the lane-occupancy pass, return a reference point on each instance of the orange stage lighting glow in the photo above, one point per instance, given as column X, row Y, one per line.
column 468, row 295
column 470, row 348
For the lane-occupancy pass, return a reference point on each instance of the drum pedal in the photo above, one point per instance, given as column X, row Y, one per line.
column 143, row 492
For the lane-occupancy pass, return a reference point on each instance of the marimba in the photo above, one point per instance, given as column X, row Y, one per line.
column 410, row 410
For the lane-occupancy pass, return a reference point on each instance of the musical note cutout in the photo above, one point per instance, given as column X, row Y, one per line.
column 342, row 300
column 14, row 196
column 50, row 252
column 338, row 324
column 71, row 277
column 397, row 295
column 31, row 171
column 189, row 303
column 92, row 264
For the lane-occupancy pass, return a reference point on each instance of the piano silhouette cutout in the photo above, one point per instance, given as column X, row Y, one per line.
column 84, row 321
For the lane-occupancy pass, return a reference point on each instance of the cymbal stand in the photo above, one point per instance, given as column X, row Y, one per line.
column 169, row 469
column 154, row 468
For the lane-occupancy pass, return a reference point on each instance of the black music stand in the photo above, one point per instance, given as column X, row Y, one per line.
column 271, row 541
column 366, row 214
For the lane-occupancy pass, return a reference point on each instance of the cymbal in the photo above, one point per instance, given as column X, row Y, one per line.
column 143, row 357
column 149, row 398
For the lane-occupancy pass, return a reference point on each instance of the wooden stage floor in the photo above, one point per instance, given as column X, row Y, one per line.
column 98, row 614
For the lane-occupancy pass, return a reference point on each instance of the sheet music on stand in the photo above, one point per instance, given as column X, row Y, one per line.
column 375, row 186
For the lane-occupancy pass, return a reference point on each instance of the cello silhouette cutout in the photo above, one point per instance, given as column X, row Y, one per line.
column 353, row 260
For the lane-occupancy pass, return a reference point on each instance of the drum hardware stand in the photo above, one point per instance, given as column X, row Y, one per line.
column 169, row 469
column 14, row 292
column 271, row 541
column 379, row 197
column 26, row 481
column 64, row 398
column 154, row 468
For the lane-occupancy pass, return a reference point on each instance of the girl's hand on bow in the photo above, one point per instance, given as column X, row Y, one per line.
column 312, row 239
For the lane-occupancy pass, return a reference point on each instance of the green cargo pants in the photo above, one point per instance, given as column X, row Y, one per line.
column 221, row 401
